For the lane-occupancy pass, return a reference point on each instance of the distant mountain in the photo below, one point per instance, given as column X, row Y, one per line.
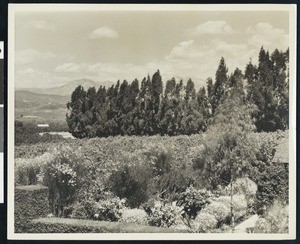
column 68, row 88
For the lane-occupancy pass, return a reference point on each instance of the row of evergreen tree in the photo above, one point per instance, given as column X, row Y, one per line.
column 151, row 108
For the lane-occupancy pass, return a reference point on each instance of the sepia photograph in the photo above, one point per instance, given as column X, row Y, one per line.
column 171, row 122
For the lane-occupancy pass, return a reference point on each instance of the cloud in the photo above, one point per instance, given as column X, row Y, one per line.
column 182, row 50
column 32, row 55
column 104, row 32
column 264, row 34
column 41, row 25
column 213, row 27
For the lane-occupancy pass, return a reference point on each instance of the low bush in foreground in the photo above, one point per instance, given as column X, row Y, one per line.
column 276, row 220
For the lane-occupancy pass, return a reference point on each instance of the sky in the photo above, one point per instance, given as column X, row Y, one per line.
column 55, row 47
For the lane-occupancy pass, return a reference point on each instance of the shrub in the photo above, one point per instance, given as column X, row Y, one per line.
column 239, row 204
column 193, row 200
column 135, row 215
column 128, row 183
column 165, row 215
column 172, row 184
column 246, row 187
column 109, row 210
column 271, row 178
column 261, row 226
column 242, row 186
column 219, row 210
column 278, row 218
column 204, row 222
column 227, row 154
column 273, row 184
column 159, row 157
column 64, row 175
column 76, row 211
column 143, row 176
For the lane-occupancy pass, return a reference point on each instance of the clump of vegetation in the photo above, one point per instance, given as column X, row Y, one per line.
column 275, row 220
column 135, row 215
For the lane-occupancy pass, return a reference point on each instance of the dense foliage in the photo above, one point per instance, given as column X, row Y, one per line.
column 175, row 108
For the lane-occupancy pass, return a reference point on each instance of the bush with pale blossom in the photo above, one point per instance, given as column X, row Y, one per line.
column 165, row 215
column 239, row 204
column 135, row 215
column 204, row 222
column 110, row 209
column 276, row 220
column 219, row 210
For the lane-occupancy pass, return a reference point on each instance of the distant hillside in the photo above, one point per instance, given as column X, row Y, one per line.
column 27, row 99
column 44, row 106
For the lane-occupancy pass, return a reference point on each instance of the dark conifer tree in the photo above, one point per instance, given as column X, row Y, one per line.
column 77, row 120
column 220, row 83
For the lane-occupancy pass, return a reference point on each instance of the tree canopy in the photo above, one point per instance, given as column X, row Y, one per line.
column 172, row 108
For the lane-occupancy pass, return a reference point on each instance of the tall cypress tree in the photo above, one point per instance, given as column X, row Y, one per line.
column 220, row 83
column 76, row 119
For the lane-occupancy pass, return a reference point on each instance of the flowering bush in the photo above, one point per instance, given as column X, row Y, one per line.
column 278, row 217
column 110, row 209
column 204, row 222
column 276, row 220
column 239, row 204
column 246, row 187
column 165, row 215
column 219, row 210
column 135, row 215
column 63, row 175
column 242, row 186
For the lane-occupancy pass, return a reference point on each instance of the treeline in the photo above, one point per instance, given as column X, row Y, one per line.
column 151, row 108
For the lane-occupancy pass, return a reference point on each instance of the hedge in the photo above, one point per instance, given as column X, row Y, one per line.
column 64, row 225
column 31, row 202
